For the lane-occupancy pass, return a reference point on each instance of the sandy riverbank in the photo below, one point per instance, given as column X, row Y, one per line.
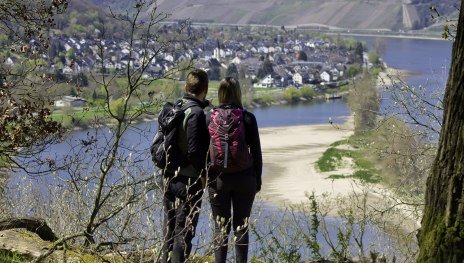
column 289, row 155
column 391, row 76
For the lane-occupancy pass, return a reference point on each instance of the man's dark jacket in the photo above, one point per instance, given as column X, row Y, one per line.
column 193, row 137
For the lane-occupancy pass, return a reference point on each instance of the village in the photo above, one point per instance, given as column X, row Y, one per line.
column 270, row 60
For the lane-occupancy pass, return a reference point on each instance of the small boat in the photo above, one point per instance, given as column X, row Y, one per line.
column 332, row 96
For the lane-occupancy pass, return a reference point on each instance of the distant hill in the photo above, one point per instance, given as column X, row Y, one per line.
column 350, row 14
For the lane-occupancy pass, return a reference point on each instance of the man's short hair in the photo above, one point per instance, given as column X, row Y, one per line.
column 196, row 82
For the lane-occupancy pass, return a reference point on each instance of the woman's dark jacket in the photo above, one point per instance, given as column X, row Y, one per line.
column 253, row 141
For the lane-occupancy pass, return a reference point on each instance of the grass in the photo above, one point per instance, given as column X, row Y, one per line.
column 368, row 176
column 337, row 143
column 331, row 159
column 337, row 176
column 364, row 168
column 363, row 175
column 12, row 257
column 85, row 116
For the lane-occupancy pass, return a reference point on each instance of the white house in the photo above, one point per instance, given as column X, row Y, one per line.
column 70, row 101
column 325, row 76
column 297, row 79
column 267, row 81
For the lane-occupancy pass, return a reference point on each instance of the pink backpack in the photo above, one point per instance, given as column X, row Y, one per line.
column 228, row 147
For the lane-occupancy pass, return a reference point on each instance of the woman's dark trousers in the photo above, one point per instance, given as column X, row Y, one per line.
column 236, row 191
column 182, row 205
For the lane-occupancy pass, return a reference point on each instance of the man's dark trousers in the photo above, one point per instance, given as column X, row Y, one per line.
column 182, row 204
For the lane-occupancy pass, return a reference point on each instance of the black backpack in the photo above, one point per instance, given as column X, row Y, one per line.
column 165, row 150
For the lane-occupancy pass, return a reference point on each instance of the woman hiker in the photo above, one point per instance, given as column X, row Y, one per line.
column 234, row 171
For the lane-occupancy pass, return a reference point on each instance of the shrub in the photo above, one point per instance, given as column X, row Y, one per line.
column 117, row 108
column 308, row 92
column 291, row 93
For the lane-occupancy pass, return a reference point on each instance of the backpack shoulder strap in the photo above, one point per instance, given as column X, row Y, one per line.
column 246, row 117
column 186, row 107
column 185, row 104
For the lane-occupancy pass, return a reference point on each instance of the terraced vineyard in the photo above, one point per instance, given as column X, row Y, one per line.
column 349, row 14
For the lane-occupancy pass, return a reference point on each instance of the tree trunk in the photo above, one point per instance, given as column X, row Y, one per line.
column 35, row 225
column 441, row 238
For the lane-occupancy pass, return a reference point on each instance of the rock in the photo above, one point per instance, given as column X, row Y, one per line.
column 23, row 242
column 35, row 225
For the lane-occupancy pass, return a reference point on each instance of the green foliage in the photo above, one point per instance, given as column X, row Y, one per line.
column 70, row 54
column 117, row 108
column 363, row 175
column 364, row 102
column 343, row 239
column 308, row 92
column 375, row 71
column 374, row 58
column 291, row 93
column 337, row 143
column 275, row 249
column 353, row 70
column 336, row 176
column 80, row 80
column 12, row 257
column 349, row 43
column 3, row 40
column 364, row 169
column 331, row 159
column 367, row 176
column 267, row 97
column 200, row 259
column 311, row 239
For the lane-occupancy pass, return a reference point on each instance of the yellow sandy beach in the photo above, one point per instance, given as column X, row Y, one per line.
column 289, row 156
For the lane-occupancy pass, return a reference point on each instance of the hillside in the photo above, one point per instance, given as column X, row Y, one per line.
column 350, row 14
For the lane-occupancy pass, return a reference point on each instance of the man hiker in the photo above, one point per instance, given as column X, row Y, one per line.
column 183, row 187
